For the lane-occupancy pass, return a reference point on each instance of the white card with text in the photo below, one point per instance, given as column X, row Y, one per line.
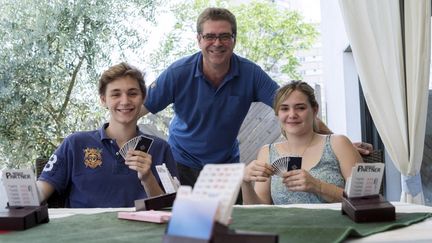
column 168, row 182
column 365, row 180
column 20, row 186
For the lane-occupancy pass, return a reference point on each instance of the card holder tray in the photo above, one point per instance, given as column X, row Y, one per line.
column 222, row 234
column 155, row 203
column 372, row 208
column 21, row 218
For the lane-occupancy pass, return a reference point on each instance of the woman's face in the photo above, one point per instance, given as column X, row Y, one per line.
column 123, row 98
column 296, row 114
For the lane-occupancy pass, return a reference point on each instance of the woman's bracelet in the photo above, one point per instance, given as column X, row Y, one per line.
column 336, row 195
column 333, row 191
column 320, row 186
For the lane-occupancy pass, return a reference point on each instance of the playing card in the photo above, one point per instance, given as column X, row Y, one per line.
column 294, row 163
column 144, row 144
column 286, row 163
column 131, row 144
column 280, row 165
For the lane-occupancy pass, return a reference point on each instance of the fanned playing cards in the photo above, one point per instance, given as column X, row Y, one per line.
column 140, row 142
column 286, row 163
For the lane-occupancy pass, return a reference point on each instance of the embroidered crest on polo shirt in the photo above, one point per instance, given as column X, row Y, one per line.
column 92, row 157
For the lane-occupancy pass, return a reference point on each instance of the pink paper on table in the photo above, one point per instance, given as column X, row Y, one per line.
column 152, row 216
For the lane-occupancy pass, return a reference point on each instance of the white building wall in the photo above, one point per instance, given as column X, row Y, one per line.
column 341, row 88
column 352, row 97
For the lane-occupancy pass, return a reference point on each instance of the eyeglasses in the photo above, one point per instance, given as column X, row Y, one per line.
column 224, row 37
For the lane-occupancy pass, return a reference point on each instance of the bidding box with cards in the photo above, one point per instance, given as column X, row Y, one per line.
column 201, row 215
column 362, row 201
column 170, row 185
column 216, row 183
column 24, row 209
column 221, row 182
column 20, row 186
column 211, row 199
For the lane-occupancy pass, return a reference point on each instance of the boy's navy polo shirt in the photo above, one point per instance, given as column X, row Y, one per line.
column 89, row 170
column 207, row 120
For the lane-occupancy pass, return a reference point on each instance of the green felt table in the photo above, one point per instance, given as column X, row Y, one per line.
column 291, row 224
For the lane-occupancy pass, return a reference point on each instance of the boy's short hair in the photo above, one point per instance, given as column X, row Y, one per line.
column 118, row 71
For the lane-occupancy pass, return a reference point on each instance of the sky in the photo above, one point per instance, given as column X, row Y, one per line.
column 310, row 9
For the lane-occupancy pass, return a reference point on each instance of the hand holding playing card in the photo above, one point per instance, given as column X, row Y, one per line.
column 301, row 181
column 140, row 162
column 144, row 144
column 257, row 171
column 135, row 154
column 140, row 142
column 131, row 144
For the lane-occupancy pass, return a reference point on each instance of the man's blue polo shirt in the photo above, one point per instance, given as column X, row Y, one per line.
column 207, row 120
column 88, row 168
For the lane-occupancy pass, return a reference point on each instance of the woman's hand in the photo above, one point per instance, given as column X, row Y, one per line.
column 257, row 171
column 140, row 162
column 301, row 181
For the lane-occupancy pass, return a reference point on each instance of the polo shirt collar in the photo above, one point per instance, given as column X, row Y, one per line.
column 103, row 135
column 232, row 72
column 102, row 132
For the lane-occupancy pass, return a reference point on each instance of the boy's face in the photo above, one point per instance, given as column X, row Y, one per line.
column 123, row 98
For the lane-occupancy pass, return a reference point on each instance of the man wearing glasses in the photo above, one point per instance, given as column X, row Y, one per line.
column 212, row 91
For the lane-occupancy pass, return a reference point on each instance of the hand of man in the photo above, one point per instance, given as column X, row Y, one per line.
column 257, row 171
column 140, row 162
column 363, row 148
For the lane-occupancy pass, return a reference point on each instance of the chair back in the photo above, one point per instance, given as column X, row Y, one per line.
column 377, row 156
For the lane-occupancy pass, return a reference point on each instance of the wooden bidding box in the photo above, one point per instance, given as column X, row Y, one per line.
column 21, row 218
column 372, row 208
column 155, row 203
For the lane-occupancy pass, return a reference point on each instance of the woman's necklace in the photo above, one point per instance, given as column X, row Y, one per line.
column 304, row 150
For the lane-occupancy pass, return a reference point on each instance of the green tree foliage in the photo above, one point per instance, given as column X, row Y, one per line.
column 270, row 36
column 51, row 54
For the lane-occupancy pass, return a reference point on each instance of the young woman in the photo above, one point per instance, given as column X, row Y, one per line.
column 326, row 159
column 88, row 167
